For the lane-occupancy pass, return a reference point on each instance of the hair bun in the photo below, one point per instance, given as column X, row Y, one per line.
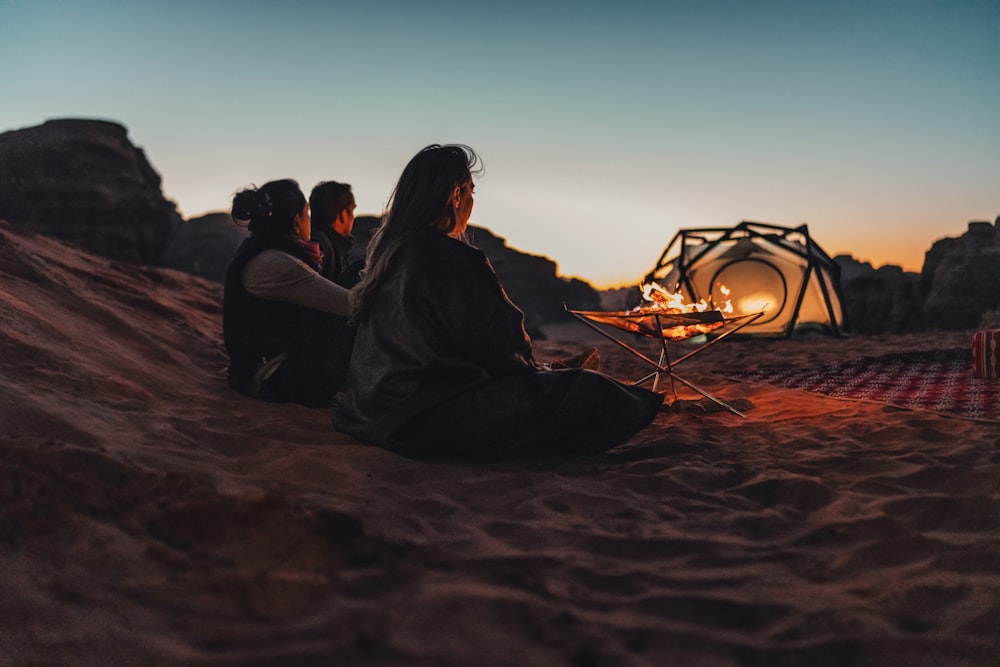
column 250, row 205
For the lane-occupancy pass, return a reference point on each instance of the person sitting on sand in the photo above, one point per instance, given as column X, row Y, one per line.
column 332, row 205
column 278, row 312
column 442, row 366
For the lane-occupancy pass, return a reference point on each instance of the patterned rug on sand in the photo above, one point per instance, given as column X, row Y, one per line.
column 939, row 381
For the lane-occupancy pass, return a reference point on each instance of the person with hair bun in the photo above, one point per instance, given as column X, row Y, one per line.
column 278, row 311
column 442, row 366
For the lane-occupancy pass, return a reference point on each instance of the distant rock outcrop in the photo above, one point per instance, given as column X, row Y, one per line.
column 204, row 245
column 883, row 300
column 532, row 281
column 621, row 298
column 83, row 181
column 958, row 285
column 960, row 280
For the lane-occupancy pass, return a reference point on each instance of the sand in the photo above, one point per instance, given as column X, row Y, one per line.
column 149, row 515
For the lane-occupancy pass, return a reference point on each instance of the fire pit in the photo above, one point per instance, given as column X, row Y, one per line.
column 668, row 320
column 656, row 323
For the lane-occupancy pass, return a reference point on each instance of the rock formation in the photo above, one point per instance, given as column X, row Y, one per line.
column 960, row 280
column 958, row 285
column 532, row 280
column 82, row 181
column 883, row 300
column 622, row 298
column 204, row 245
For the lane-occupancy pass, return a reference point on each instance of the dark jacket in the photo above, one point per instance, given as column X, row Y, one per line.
column 442, row 367
column 257, row 330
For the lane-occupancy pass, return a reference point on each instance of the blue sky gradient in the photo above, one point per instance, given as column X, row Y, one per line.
column 604, row 126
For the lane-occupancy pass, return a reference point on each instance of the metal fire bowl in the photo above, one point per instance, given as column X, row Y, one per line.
column 657, row 323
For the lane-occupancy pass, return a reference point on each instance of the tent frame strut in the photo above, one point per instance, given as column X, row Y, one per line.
column 690, row 246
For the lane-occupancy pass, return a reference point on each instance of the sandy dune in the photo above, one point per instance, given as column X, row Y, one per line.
column 148, row 515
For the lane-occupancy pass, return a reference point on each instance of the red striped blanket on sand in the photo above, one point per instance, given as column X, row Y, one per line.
column 938, row 381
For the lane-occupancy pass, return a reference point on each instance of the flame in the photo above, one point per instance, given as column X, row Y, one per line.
column 657, row 299
column 660, row 299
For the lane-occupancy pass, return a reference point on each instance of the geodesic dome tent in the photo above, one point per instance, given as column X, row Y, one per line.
column 778, row 270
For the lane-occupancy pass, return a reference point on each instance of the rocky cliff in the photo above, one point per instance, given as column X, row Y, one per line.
column 883, row 300
column 957, row 288
column 203, row 245
column 83, row 181
column 960, row 280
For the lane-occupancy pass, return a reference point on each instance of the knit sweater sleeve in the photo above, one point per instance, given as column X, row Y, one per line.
column 277, row 276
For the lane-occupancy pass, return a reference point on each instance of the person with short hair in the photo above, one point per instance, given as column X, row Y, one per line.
column 332, row 207
column 442, row 366
column 278, row 311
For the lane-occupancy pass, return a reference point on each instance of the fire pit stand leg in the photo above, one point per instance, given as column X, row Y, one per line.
column 666, row 367
column 717, row 401
column 620, row 343
column 664, row 362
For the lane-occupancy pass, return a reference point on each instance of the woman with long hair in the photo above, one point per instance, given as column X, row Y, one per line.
column 442, row 366
column 279, row 314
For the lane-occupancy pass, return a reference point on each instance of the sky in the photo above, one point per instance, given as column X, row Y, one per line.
column 604, row 127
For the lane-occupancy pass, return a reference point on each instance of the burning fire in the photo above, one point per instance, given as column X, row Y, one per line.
column 658, row 298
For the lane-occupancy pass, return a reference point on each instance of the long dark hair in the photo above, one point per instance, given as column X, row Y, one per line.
column 270, row 210
column 421, row 201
